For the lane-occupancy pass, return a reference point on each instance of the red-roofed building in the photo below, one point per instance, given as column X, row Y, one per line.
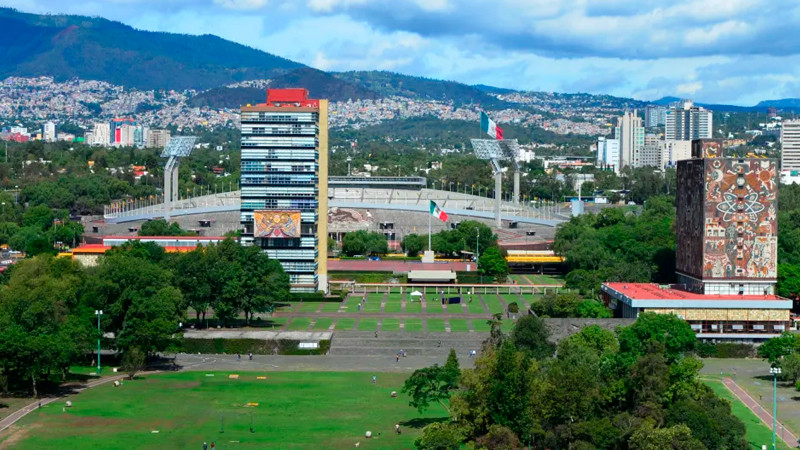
column 726, row 257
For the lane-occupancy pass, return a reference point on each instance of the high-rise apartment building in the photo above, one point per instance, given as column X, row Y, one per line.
column 284, row 206
column 630, row 133
column 101, row 134
column 655, row 116
column 685, row 122
column 608, row 153
column 157, row 138
column 790, row 145
column 49, row 132
column 663, row 154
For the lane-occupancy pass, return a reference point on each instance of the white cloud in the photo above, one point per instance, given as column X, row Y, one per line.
column 242, row 4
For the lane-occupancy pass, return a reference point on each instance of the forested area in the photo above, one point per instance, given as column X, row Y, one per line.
column 48, row 304
column 637, row 388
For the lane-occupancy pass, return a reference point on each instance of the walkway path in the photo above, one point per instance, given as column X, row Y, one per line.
column 22, row 412
column 786, row 435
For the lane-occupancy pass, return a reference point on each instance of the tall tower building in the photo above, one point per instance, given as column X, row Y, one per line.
column 608, row 153
column 726, row 222
column 630, row 133
column 685, row 122
column 655, row 116
column 285, row 184
column 790, row 145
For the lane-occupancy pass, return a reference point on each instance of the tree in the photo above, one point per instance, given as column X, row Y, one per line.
column 788, row 280
column 39, row 216
column 779, row 347
column 499, row 438
column 668, row 329
column 790, row 368
column 593, row 309
column 413, row 244
column 558, row 305
column 493, row 263
column 472, row 232
column 133, row 361
column 531, row 334
column 433, row 384
column 364, row 243
column 678, row 437
column 439, row 436
column 160, row 227
column 595, row 338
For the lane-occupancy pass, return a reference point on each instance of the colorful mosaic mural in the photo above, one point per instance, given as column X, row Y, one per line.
column 739, row 219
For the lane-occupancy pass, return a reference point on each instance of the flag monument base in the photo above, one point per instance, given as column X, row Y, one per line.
column 427, row 256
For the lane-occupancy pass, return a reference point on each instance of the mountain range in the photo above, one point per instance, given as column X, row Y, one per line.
column 91, row 48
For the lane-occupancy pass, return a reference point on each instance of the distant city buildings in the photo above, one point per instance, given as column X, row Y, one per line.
column 662, row 154
column 685, row 122
column 790, row 145
column 157, row 138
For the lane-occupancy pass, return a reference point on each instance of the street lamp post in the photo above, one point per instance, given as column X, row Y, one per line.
column 775, row 371
column 98, row 313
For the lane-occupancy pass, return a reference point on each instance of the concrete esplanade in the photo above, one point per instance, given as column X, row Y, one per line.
column 359, row 198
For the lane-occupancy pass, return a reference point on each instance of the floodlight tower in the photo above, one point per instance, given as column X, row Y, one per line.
column 495, row 151
column 178, row 147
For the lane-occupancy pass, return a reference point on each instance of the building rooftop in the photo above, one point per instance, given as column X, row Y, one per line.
column 652, row 291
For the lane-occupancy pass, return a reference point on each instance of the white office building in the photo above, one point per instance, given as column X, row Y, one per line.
column 790, row 145
column 665, row 154
column 101, row 134
column 655, row 116
column 608, row 153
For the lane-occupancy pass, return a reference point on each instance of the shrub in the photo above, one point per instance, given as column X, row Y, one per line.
column 513, row 308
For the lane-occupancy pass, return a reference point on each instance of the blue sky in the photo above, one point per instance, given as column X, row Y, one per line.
column 720, row 51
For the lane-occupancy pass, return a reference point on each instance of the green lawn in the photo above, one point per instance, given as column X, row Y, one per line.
column 296, row 410
column 476, row 307
column 323, row 323
column 414, row 325
column 393, row 306
column 507, row 325
column 458, row 325
column 345, row 323
column 373, row 304
column 435, row 307
column 307, row 307
column 512, row 298
column 756, row 432
column 414, row 307
column 455, row 309
column 493, row 303
column 435, row 325
column 352, row 304
column 390, row 325
column 367, row 324
column 299, row 324
column 331, row 307
column 530, row 298
column 395, row 297
column 480, row 325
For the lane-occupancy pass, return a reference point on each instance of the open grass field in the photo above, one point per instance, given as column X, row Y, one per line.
column 530, row 278
column 368, row 324
column 493, row 303
column 481, row 325
column 322, row 324
column 414, row 325
column 475, row 307
column 455, row 308
column 331, row 307
column 296, row 410
column 393, row 306
column 299, row 324
column 756, row 432
column 436, row 325
column 414, row 307
column 390, row 325
column 458, row 325
column 345, row 323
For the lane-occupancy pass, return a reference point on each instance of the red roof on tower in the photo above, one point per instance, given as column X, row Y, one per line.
column 296, row 97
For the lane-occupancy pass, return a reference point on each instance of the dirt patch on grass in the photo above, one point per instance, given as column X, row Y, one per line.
column 15, row 433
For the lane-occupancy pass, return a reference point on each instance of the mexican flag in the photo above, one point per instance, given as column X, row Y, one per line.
column 437, row 212
column 489, row 127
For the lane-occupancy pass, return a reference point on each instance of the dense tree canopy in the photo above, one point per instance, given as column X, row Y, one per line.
column 599, row 390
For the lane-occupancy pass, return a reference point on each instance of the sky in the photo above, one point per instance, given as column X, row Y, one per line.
column 714, row 51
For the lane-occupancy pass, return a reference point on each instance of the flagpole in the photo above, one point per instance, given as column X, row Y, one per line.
column 429, row 230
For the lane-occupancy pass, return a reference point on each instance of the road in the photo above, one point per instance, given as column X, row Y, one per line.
column 784, row 434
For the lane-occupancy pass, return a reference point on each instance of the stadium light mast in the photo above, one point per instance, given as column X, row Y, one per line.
column 495, row 151
column 178, row 147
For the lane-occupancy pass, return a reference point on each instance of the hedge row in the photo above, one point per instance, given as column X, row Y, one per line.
column 254, row 346
column 724, row 350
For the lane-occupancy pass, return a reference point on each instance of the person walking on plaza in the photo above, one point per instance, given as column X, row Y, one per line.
column 251, row 356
